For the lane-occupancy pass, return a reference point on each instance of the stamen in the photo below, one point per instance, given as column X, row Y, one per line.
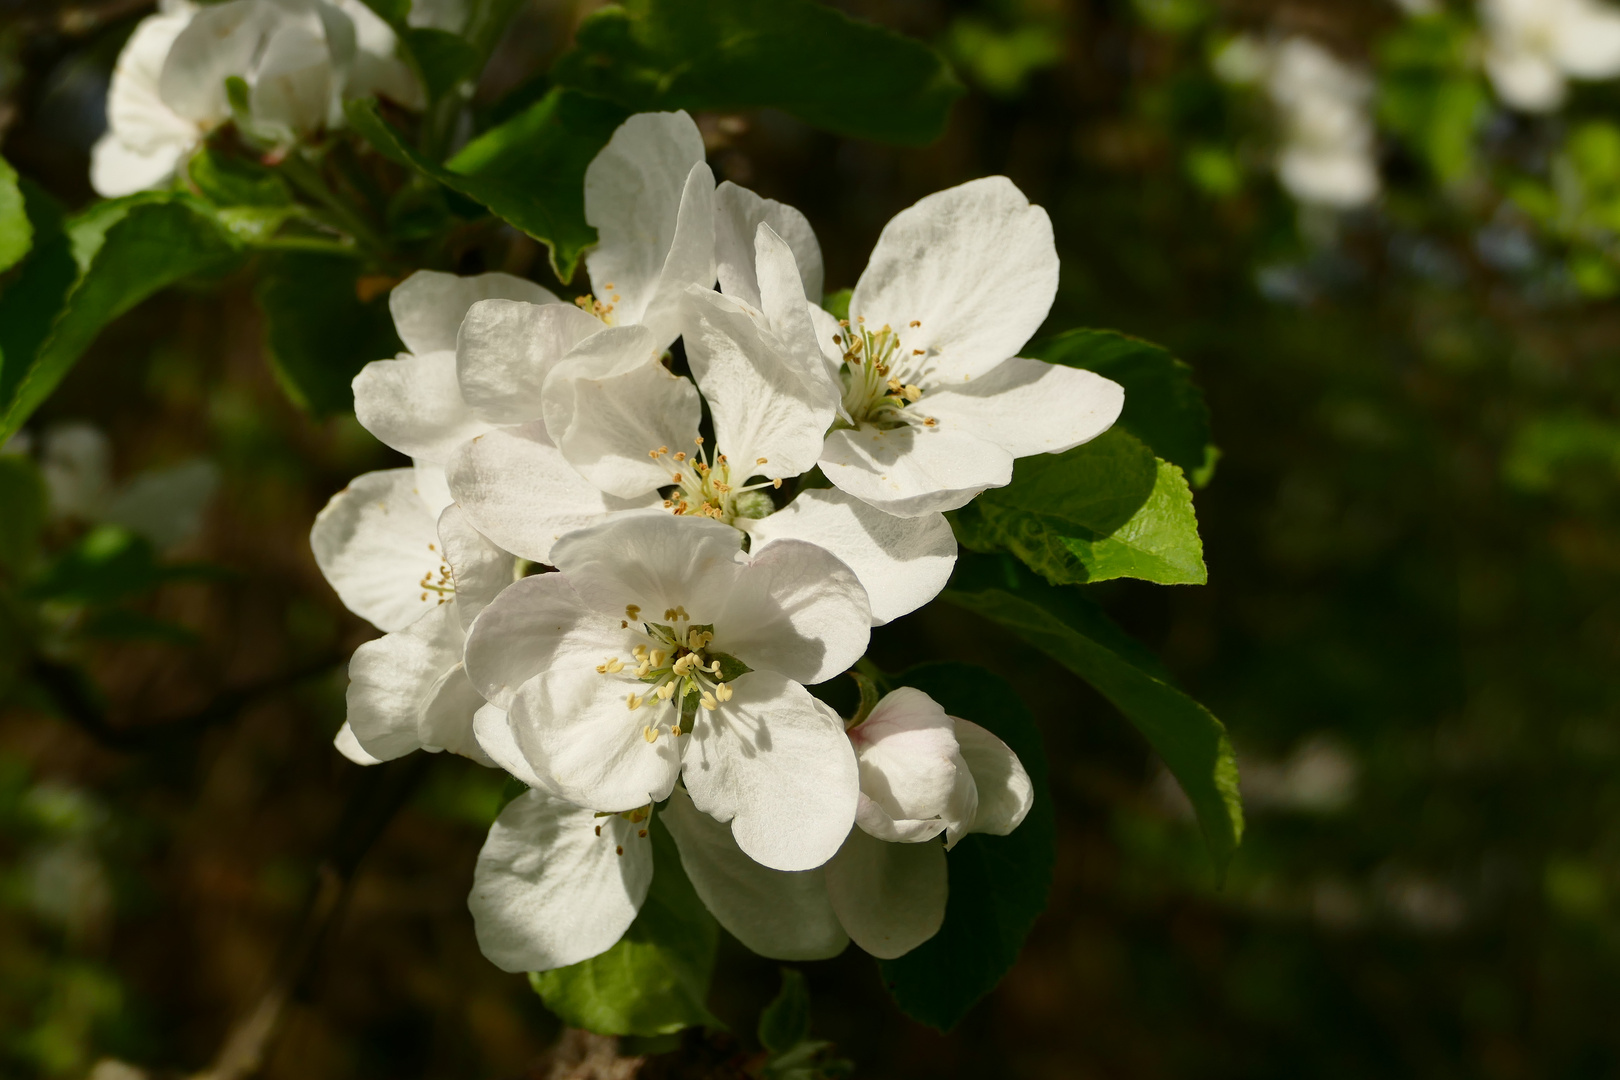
column 707, row 701
column 650, row 734
column 610, row 666
column 914, row 322
column 723, row 691
column 632, row 612
column 633, row 702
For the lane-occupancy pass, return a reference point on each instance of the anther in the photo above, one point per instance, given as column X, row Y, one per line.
column 599, row 830
column 707, row 701
column 632, row 611
column 723, row 691
column 777, row 482
column 760, row 461
column 930, row 422
column 633, row 702
column 650, row 734
column 610, row 285
column 641, row 832
column 680, row 455
column 914, row 322
column 619, row 850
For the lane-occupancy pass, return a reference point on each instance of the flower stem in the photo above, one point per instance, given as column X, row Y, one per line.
column 344, row 217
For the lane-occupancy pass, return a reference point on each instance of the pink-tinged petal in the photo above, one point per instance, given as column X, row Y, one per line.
column 890, row 898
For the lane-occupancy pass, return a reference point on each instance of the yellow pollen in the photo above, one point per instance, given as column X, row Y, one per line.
column 632, row 612
column 723, row 691
column 611, row 665
column 911, row 392
column 633, row 702
column 680, row 455
column 914, row 322
column 918, row 352
column 860, row 318
column 610, row 285
column 776, row 483
column 650, row 734
column 930, row 422
column 639, row 651
column 677, row 479
column 698, row 440
column 707, row 701
column 760, row 461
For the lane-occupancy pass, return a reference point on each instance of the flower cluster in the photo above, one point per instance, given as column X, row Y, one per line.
column 708, row 545
column 298, row 61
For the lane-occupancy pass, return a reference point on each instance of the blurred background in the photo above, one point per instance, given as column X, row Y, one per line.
column 1396, row 291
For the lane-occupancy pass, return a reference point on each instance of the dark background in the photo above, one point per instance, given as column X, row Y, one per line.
column 1412, row 628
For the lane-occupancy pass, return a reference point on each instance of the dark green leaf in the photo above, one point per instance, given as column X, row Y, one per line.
column 656, row 979
column 785, row 1023
column 34, row 296
column 529, row 171
column 998, row 884
column 807, row 59
column 1072, row 630
column 118, row 624
column 1430, row 93
column 233, row 181
column 318, row 330
column 125, row 250
column 16, row 234
column 22, row 514
column 108, row 563
column 445, row 60
column 1163, row 406
column 392, row 12
column 1108, row 509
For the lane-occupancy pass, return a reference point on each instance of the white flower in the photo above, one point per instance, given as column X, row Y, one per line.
column 933, row 404
column 923, row 774
column 585, row 420
column 400, row 556
column 662, row 650
column 299, row 58
column 1328, row 147
column 1534, row 46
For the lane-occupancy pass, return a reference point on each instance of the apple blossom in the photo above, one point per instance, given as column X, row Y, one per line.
column 403, row 558
column 931, row 403
column 923, row 774
column 1535, row 46
column 1328, row 151
column 662, row 650
column 300, row 60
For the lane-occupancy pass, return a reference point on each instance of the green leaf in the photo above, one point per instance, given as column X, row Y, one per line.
column 1163, row 406
column 445, row 60
column 233, row 181
column 837, row 303
column 829, row 70
column 1107, row 509
column 108, row 563
column 656, row 979
column 1067, row 626
column 22, row 514
column 124, row 250
column 785, row 1023
column 16, row 233
column 998, row 884
column 31, row 300
column 1430, row 93
column 529, row 171
column 392, row 12
column 318, row 331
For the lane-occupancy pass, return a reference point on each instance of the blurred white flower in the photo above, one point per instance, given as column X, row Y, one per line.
column 1327, row 155
column 300, row 60
column 1535, row 46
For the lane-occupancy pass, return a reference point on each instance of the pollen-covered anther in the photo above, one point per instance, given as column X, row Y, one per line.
column 610, row 666
column 761, row 461
column 913, row 324
column 680, row 455
column 650, row 734
column 633, row 613
column 633, row 702
column 723, row 691
column 666, row 691
column 930, row 422
column 708, row 702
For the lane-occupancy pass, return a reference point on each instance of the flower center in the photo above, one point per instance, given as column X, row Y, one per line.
column 676, row 668
column 443, row 584
column 590, row 305
column 705, row 488
column 635, row 817
column 881, row 376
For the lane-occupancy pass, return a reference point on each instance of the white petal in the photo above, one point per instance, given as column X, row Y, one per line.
column 432, row 486
column 138, row 121
column 392, row 680
column 1029, row 407
column 493, row 731
column 912, row 773
column 690, row 261
column 577, row 730
column 506, row 349
column 738, row 214
column 220, row 40
column 784, row 915
column 536, row 624
column 1587, row 41
column 655, row 561
column 975, row 264
column 788, row 314
column 609, row 404
column 519, row 491
column 795, row 609
column 350, row 747
column 633, row 192
column 548, row 891
column 479, row 569
column 1525, row 80
column 377, row 543
column 414, row 404
column 915, row 470
column 1340, row 178
column 116, row 169
column 775, row 763
column 1005, row 791
column 446, row 722
column 429, row 305
column 901, row 562
column 762, row 403
column 890, row 898
column 293, row 85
